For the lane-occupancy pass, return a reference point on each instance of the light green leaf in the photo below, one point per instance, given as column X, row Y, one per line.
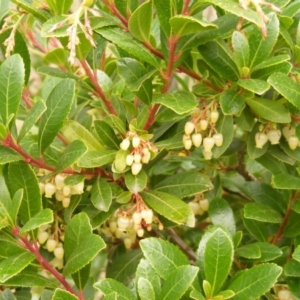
column 268, row 252
column 170, row 207
column 145, row 289
column 45, row 216
column 96, row 158
column 14, row 265
column 272, row 62
column 262, row 213
column 60, row 7
column 106, row 135
column 8, row 155
column 12, row 76
column 58, row 107
column 181, row 102
column 292, row 268
column 63, row 295
column 286, row 87
column 256, row 86
column 184, row 185
column 249, row 282
column 118, row 124
column 163, row 256
column 108, row 286
column 101, row 194
column 140, row 21
column 232, row 103
column 136, row 184
column 124, row 40
column 250, row 251
column 4, row 222
column 164, row 13
column 4, row 7
column 240, row 49
column 178, row 282
column 286, row 182
column 40, row 14
column 269, row 110
column 71, row 154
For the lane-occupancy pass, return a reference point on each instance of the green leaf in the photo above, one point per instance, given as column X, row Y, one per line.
column 45, row 216
column 8, row 155
column 4, row 7
column 118, row 124
column 262, row 213
column 183, row 25
column 257, row 229
column 292, row 268
column 96, row 158
column 60, row 7
column 221, row 213
column 40, row 14
column 286, row 182
column 164, row 13
column 256, row 86
column 140, row 21
column 124, row 40
column 178, row 282
column 34, row 114
column 101, row 194
column 269, row 110
column 14, row 265
column 73, row 131
column 106, row 135
column 232, row 103
column 218, row 56
column 26, row 179
column 296, row 254
column 136, row 184
column 260, row 48
column 250, row 251
column 181, row 102
column 184, row 184
column 286, row 87
column 170, row 207
column 249, row 282
column 163, row 256
column 58, row 107
column 71, row 154
column 268, row 252
column 62, row 294
column 12, row 76
column 145, row 289
column 240, row 49
column 108, row 286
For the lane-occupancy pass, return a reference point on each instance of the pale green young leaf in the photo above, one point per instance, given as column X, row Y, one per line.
column 34, row 114
column 119, row 164
column 8, row 155
column 58, row 107
column 108, row 286
column 57, row 56
column 261, row 212
column 178, row 282
column 4, row 7
column 181, row 102
column 60, row 7
column 14, row 265
column 106, row 135
column 96, row 158
column 140, row 21
column 101, row 194
column 38, row 13
column 45, row 216
column 7, row 294
column 286, row 182
column 249, row 282
column 145, row 289
column 136, row 184
column 71, row 154
column 240, row 49
column 170, row 207
column 63, row 295
column 4, row 222
column 164, row 13
column 12, row 77
column 256, row 86
column 232, row 103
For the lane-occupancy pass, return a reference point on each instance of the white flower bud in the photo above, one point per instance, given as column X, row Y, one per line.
column 147, row 215
column 136, row 168
column 214, row 116
column 197, row 139
column 293, row 142
column 274, row 136
column 59, row 252
column 125, row 144
column 57, row 263
column 204, row 204
column 207, row 155
column 129, row 159
column 194, row 206
column 59, row 181
column 146, row 151
column 50, row 190
column 203, row 124
column 51, row 245
column 136, row 141
column 146, row 157
column 260, row 139
column 137, row 217
column 77, row 188
column 284, row 295
column 188, row 144
column 218, row 137
column 208, row 143
column 113, row 226
column 288, row 131
column 42, row 237
column 189, row 127
column 66, row 190
column 66, row 202
column 160, row 226
column 42, row 187
column 127, row 243
column 59, row 196
column 140, row 232
column 137, row 158
column 119, row 234
column 123, row 223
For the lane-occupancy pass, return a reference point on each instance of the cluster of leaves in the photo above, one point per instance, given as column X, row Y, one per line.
column 77, row 81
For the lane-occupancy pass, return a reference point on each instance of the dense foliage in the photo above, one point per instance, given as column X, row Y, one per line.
column 148, row 150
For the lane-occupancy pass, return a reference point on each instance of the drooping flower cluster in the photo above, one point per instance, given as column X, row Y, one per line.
column 199, row 205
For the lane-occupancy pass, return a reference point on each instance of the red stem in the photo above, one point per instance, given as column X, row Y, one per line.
column 185, row 7
column 34, row 42
column 26, row 97
column 97, row 87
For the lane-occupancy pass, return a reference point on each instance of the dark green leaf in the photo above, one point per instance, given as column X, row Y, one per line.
column 286, row 181
column 292, row 268
column 232, row 103
column 256, row 229
column 106, row 135
column 164, row 13
column 96, row 158
column 8, row 155
column 262, row 213
column 240, row 49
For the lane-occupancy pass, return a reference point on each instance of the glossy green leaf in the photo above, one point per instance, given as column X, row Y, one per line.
column 286, row 87
column 106, row 135
column 63, row 295
column 181, row 102
column 71, row 154
column 60, row 7
column 136, row 184
column 96, row 158
column 292, row 268
column 14, row 264
column 164, row 13
column 140, row 21
column 163, row 256
column 232, row 103
column 269, row 110
column 178, row 282
column 257, row 229
column 268, row 252
column 145, row 289
column 170, row 207
column 262, row 213
column 256, row 86
column 108, row 286
column 286, row 182
column 101, row 194
column 58, row 107
column 8, row 155
column 250, row 251
column 45, row 216
column 240, row 49
column 249, row 282
column 12, row 76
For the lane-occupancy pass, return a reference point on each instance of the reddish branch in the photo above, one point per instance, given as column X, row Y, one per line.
column 185, row 7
